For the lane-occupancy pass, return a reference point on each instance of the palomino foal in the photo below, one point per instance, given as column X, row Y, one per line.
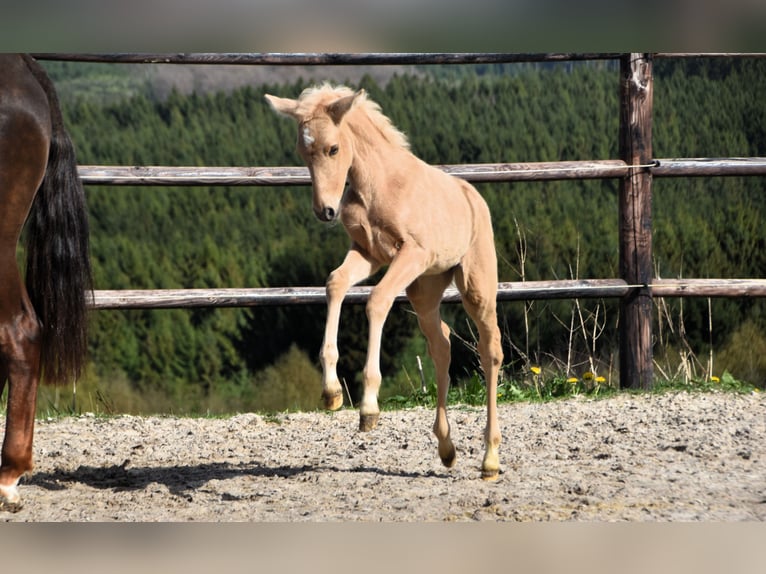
column 428, row 227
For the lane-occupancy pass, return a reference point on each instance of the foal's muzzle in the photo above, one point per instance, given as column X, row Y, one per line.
column 327, row 214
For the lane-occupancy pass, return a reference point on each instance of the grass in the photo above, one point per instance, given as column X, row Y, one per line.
column 726, row 383
column 537, row 388
column 534, row 386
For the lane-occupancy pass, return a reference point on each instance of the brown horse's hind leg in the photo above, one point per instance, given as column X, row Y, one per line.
column 20, row 358
column 477, row 282
column 24, row 147
column 425, row 296
column 20, row 367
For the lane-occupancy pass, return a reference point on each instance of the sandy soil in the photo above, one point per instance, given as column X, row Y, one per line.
column 672, row 457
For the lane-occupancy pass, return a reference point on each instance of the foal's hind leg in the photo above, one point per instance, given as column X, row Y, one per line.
column 477, row 281
column 425, row 296
column 403, row 270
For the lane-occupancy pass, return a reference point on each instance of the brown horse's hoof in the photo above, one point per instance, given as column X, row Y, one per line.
column 10, row 501
column 448, row 455
column 334, row 401
column 13, row 507
column 368, row 422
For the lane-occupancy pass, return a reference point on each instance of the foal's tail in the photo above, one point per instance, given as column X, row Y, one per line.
column 58, row 276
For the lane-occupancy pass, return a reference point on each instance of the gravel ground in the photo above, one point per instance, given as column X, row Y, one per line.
column 669, row 457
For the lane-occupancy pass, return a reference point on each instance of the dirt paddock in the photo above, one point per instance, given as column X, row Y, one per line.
column 670, row 457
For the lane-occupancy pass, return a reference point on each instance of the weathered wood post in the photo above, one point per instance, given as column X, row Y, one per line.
column 636, row 88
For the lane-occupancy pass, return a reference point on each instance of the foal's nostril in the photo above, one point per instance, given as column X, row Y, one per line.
column 326, row 214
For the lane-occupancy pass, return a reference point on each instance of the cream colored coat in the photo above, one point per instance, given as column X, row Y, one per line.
column 428, row 227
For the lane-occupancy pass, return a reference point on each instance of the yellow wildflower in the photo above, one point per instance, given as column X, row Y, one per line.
column 600, row 379
column 572, row 380
column 535, row 370
column 587, row 376
column 715, row 379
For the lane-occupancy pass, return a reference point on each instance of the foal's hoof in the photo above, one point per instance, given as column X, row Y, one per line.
column 490, row 475
column 448, row 455
column 368, row 422
column 10, row 501
column 334, row 401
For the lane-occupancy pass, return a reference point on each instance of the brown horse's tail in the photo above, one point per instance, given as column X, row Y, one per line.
column 58, row 275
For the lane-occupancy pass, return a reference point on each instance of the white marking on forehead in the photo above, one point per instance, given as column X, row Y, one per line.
column 308, row 139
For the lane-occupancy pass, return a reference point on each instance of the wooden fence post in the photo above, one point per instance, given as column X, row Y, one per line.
column 635, row 235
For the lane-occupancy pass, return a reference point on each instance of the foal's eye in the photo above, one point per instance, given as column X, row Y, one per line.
column 333, row 150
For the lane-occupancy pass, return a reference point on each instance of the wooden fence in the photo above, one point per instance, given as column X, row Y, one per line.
column 635, row 168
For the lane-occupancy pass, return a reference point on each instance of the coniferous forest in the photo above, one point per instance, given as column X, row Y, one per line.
column 225, row 360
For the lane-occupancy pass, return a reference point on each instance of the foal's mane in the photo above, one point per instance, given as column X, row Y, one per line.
column 314, row 97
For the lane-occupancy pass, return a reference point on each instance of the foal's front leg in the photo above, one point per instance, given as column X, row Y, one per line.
column 355, row 267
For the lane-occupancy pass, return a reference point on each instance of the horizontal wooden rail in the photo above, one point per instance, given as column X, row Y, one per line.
column 709, row 55
column 709, row 167
column 326, row 59
column 279, row 176
column 511, row 291
column 366, row 59
column 477, row 173
column 709, row 288
column 233, row 297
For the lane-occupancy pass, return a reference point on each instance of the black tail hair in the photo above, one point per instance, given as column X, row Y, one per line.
column 58, row 276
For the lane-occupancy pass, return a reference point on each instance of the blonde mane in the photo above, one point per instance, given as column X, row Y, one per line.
column 316, row 96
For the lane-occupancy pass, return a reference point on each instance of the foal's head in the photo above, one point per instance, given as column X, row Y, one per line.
column 323, row 143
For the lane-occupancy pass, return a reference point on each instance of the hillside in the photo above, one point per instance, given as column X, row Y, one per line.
column 110, row 83
column 219, row 360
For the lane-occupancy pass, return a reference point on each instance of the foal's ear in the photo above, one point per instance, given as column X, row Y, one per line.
column 284, row 106
column 339, row 107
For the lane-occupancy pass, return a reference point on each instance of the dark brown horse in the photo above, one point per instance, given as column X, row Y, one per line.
column 43, row 323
